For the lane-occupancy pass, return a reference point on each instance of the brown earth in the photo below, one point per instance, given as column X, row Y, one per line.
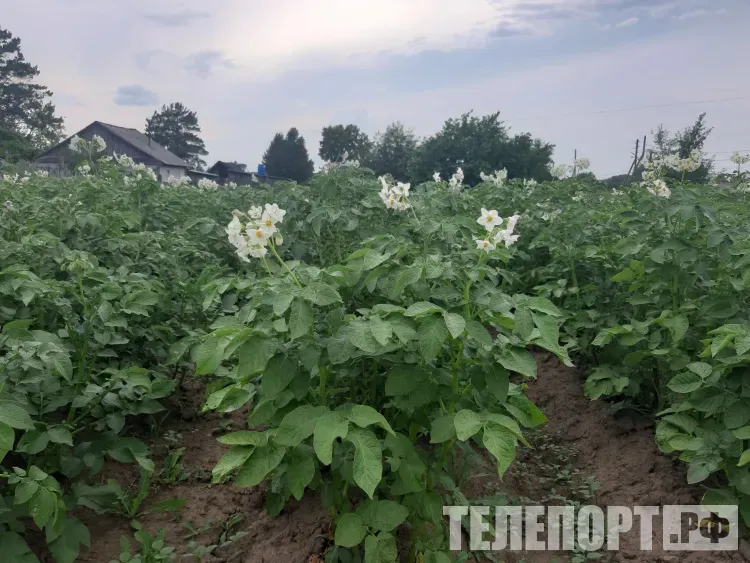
column 620, row 452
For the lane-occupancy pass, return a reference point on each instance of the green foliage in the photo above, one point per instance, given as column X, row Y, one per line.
column 27, row 118
column 392, row 151
column 480, row 144
column 339, row 139
column 287, row 157
column 176, row 128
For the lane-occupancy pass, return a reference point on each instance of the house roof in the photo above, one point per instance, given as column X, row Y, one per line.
column 145, row 145
column 137, row 140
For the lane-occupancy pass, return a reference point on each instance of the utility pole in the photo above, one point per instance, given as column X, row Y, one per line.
column 575, row 158
column 637, row 160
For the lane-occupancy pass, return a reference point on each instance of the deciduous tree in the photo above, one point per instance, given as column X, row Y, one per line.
column 339, row 139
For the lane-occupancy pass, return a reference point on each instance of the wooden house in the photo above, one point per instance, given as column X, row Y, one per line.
column 121, row 140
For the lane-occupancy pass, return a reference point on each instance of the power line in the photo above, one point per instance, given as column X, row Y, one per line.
column 636, row 108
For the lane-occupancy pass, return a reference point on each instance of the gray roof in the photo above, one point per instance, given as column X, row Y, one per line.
column 145, row 145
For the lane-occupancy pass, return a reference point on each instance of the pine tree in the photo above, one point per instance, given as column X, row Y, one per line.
column 287, row 157
column 27, row 118
column 176, row 128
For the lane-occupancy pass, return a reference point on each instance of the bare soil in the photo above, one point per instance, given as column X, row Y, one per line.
column 620, row 452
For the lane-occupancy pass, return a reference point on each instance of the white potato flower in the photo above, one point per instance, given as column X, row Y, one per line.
column 582, row 164
column 98, row 144
column 740, row 159
column 530, row 184
column 255, row 213
column 436, row 177
column 659, row 188
column 489, row 219
column 9, row 205
column 275, row 213
column 207, row 184
column 485, row 245
column 560, row 171
column 76, row 144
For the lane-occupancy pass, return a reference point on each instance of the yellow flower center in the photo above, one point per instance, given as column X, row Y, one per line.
column 393, row 201
column 259, row 234
column 268, row 223
column 486, row 244
column 489, row 218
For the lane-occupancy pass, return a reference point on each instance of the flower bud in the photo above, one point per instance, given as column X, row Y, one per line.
column 279, row 240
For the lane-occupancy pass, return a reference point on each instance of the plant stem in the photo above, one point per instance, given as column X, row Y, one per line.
column 273, row 250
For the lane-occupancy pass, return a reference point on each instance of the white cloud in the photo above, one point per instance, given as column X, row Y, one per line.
column 627, row 23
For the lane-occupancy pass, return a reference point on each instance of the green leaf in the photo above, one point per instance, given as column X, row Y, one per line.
column 477, row 331
column 14, row 416
column 368, row 461
column 455, row 324
column 234, row 458
column 518, row 360
column 278, row 374
column 543, row 305
column 209, row 355
column 547, row 327
column 262, row 461
column 381, row 330
column 422, row 308
column 299, row 425
column 300, row 319
column 328, row 428
column 402, row 380
column 33, row 442
column 697, row 473
column 364, row 416
column 67, row 546
column 431, row 335
column 742, row 344
column 254, row 356
column 744, row 458
column 442, row 429
column 678, row 326
column 701, row 369
column 244, row 438
column 685, row 382
column 498, row 381
column 14, row 549
column 467, row 424
column 42, row 506
column 742, row 433
column 321, row 294
column 60, row 435
column 299, row 474
column 282, row 301
column 7, row 438
column 501, row 443
column 384, row 515
column 362, row 337
column 350, row 530
column 381, row 549
column 26, row 489
column 524, row 322
column 737, row 415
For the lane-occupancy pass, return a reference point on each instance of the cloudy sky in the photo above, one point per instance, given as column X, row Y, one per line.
column 250, row 68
